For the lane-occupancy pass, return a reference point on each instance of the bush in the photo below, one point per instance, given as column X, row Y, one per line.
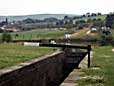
column 112, row 42
column 6, row 37
column 106, row 40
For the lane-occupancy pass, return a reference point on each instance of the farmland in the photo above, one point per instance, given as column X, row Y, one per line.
column 39, row 34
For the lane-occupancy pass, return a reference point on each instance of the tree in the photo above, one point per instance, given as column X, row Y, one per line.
column 89, row 20
column 65, row 22
column 109, row 20
column 93, row 14
column 98, row 23
column 70, row 21
column 1, row 30
column 29, row 20
column 88, row 14
column 50, row 19
column 99, row 19
column 82, row 21
column 60, row 22
column 94, row 19
column 99, row 14
column 65, row 17
column 6, row 37
column 83, row 15
column 106, row 39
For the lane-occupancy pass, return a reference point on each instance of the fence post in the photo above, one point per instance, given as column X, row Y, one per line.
column 89, row 49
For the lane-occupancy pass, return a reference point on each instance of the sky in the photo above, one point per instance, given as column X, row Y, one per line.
column 27, row 7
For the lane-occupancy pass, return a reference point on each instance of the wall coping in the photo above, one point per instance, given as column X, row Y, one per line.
column 27, row 63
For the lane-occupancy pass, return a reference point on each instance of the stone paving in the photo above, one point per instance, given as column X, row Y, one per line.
column 75, row 74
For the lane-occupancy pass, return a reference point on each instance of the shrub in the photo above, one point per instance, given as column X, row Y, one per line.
column 6, row 37
column 106, row 40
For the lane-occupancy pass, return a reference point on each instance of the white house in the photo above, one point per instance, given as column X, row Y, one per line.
column 93, row 30
column 68, row 35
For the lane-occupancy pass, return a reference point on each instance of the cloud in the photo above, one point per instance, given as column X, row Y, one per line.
column 20, row 7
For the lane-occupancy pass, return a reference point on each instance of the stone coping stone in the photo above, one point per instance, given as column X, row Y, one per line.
column 27, row 63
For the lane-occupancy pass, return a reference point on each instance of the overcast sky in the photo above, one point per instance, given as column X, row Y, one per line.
column 25, row 7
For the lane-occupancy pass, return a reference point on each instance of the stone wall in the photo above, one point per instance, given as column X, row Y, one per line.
column 44, row 71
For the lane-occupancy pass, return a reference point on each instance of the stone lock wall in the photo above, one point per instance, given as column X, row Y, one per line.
column 44, row 71
column 48, row 70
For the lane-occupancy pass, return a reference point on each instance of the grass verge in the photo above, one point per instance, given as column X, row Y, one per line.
column 12, row 54
column 102, row 67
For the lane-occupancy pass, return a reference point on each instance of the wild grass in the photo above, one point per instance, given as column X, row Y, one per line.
column 103, row 58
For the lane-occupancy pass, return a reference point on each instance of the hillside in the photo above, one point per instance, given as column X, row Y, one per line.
column 102, row 17
column 42, row 16
column 35, row 16
column 83, row 34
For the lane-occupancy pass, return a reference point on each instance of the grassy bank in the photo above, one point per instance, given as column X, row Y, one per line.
column 101, row 72
column 12, row 54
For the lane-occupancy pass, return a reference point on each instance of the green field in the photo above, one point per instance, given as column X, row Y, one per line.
column 12, row 54
column 39, row 34
column 103, row 61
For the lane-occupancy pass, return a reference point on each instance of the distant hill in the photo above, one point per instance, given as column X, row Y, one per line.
column 35, row 16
